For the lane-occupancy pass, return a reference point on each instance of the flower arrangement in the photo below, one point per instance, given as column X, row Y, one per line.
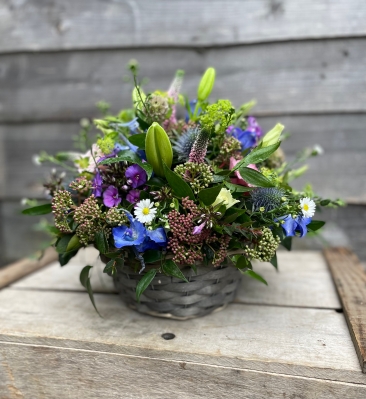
column 173, row 183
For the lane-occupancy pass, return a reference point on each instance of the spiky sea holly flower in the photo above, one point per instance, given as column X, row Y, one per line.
column 199, row 148
column 183, row 145
column 268, row 198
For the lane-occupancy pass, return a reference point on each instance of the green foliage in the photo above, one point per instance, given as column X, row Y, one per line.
column 85, row 281
column 217, row 117
column 315, row 225
column 272, row 136
column 144, row 282
column 152, row 255
column 209, row 195
column 138, row 139
column 178, row 185
column 171, row 269
column 254, row 275
column 38, row 210
column 253, row 177
column 101, row 242
column 257, row 155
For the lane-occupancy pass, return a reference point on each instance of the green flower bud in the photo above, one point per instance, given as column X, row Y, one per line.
column 273, row 135
column 206, row 84
column 158, row 149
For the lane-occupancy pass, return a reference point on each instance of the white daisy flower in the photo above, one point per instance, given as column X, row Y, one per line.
column 144, row 211
column 307, row 206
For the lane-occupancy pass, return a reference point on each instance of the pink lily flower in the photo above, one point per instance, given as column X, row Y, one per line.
column 238, row 179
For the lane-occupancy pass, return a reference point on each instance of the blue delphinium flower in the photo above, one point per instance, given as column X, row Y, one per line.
column 292, row 226
column 129, row 236
column 155, row 239
column 249, row 137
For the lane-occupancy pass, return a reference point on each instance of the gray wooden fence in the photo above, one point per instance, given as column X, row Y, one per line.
column 303, row 61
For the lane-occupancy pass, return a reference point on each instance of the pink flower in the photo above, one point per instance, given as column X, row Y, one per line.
column 238, row 179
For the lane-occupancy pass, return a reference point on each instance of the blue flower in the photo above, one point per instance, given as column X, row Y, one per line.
column 292, row 226
column 155, row 239
column 247, row 138
column 129, row 236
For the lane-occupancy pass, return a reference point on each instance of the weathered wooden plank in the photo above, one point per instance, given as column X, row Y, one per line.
column 303, row 77
column 291, row 341
column 340, row 136
column 350, row 280
column 77, row 24
column 29, row 371
column 23, row 267
column 303, row 280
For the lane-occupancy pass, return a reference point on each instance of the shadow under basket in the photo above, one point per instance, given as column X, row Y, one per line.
column 211, row 289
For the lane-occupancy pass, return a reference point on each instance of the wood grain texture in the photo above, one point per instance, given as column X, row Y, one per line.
column 28, row 371
column 285, row 78
column 350, row 280
column 24, row 267
column 303, row 280
column 81, row 24
column 291, row 341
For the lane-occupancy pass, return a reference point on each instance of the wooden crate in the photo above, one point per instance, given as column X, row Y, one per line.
column 287, row 340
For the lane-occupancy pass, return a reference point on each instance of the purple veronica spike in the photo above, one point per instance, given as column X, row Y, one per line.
column 133, row 196
column 111, row 197
column 136, row 176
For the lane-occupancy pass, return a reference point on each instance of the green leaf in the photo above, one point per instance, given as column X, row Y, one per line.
column 152, row 255
column 65, row 257
column 112, row 255
column 209, row 195
column 194, row 268
column 144, row 283
column 232, row 213
column 38, row 210
column 254, row 275
column 315, row 225
column 273, row 261
column 238, row 189
column 63, row 243
column 101, row 242
column 287, row 243
column 171, row 269
column 178, row 185
column 158, row 149
column 325, row 202
column 253, row 177
column 138, row 139
column 85, row 281
column 74, row 244
column 110, row 268
column 258, row 155
column 242, row 262
column 156, row 182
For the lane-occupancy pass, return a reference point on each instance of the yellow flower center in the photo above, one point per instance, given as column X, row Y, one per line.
column 146, row 211
column 306, row 207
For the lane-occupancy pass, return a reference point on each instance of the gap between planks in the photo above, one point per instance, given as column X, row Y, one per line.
column 349, row 277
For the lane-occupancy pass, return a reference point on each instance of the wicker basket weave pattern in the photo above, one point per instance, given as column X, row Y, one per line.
column 209, row 290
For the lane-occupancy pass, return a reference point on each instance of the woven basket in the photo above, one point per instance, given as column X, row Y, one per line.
column 211, row 289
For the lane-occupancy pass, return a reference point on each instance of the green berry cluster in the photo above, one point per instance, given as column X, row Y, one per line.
column 230, row 145
column 81, row 185
column 265, row 249
column 198, row 175
column 217, row 117
column 116, row 217
column 61, row 207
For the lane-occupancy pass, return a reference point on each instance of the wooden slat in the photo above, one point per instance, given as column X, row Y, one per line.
column 303, row 77
column 80, row 24
column 303, row 280
column 350, row 280
column 289, row 341
column 28, row 371
column 24, row 267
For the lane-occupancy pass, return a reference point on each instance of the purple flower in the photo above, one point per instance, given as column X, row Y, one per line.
column 136, row 176
column 125, row 236
column 198, row 229
column 291, row 226
column 111, row 197
column 133, row 196
column 249, row 137
column 97, row 185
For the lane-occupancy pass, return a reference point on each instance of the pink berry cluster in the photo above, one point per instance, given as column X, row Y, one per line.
column 186, row 246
